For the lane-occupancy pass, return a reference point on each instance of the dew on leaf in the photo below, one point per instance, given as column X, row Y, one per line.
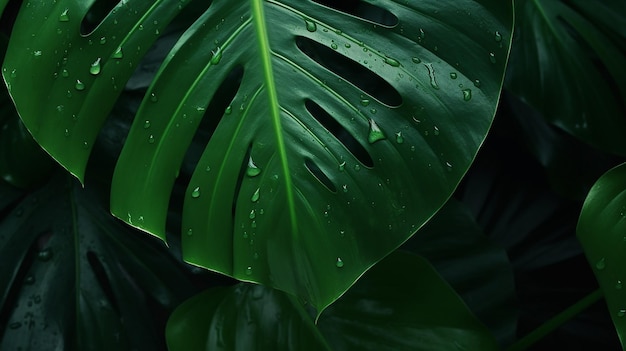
column 601, row 264
column 497, row 37
column 196, row 193
column 256, row 196
column 146, row 124
column 249, row 270
column 95, row 67
column 342, row 166
column 64, row 16
column 252, row 170
column 44, row 255
column 391, row 62
column 431, row 74
column 467, row 94
column 117, row 54
column 399, row 138
column 416, row 60
column 453, row 75
column 217, row 56
column 79, row 85
column 492, row 57
column 375, row 133
column 310, row 25
column 252, row 214
column 339, row 262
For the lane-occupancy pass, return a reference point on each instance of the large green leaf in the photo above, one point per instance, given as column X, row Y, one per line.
column 400, row 304
column 74, row 278
column 344, row 132
column 568, row 62
column 602, row 232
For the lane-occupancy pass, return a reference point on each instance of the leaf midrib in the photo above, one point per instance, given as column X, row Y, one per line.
column 265, row 54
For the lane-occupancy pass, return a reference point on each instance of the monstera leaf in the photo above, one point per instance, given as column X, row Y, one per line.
column 73, row 279
column 568, row 63
column 333, row 130
column 602, row 232
column 403, row 288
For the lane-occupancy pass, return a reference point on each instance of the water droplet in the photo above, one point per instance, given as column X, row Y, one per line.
column 217, row 56
column 375, row 133
column 249, row 270
column 333, row 46
column 416, row 60
column 252, row 214
column 391, row 62
column 13, row 73
column 252, row 170
column 399, row 138
column 153, row 97
column 601, row 264
column 347, row 45
column 257, row 194
column 146, row 124
column 44, row 255
column 196, row 193
column 310, row 26
column 64, row 17
column 342, row 233
column 431, row 74
column 151, row 139
column 65, row 73
column 228, row 110
column 436, row 130
column 467, row 94
column 253, row 224
column 492, row 57
column 453, row 75
column 618, row 285
column 339, row 262
column 449, row 164
column 365, row 102
column 29, row 280
column 66, row 132
column 344, row 188
column 79, row 85
column 357, row 167
column 621, row 313
column 342, row 166
column 477, row 83
column 117, row 54
column 497, row 37
column 189, row 232
column 95, row 67
column 85, row 145
column 421, row 34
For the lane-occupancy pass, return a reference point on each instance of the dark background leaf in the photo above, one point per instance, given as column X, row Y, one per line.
column 400, row 304
column 74, row 278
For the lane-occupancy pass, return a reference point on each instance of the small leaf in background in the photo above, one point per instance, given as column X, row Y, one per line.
column 400, row 304
column 74, row 278
column 567, row 62
column 602, row 233
column 477, row 269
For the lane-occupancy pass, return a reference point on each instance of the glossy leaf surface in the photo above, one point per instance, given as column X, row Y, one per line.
column 568, row 62
column 400, row 304
column 343, row 132
column 602, row 232
column 74, row 278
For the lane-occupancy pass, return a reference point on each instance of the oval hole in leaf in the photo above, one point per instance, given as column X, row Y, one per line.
column 351, row 71
column 97, row 12
column 363, row 10
column 320, row 175
column 102, row 278
column 336, row 129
